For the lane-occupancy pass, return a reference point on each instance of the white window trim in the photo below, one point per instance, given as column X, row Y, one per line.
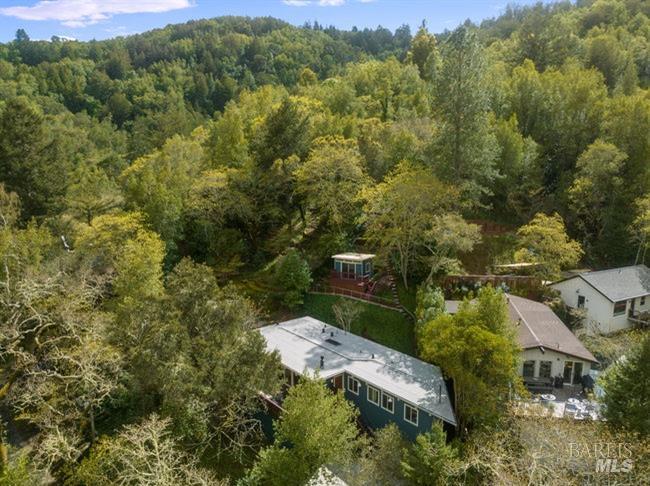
column 381, row 401
column 417, row 414
column 353, row 379
column 616, row 314
column 370, row 387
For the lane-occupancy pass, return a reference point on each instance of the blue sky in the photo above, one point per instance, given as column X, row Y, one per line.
column 100, row 19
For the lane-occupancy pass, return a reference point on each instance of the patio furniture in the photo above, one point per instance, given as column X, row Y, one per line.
column 538, row 385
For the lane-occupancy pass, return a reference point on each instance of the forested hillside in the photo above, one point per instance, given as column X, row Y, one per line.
column 140, row 175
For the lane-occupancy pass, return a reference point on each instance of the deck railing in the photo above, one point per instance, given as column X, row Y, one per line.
column 639, row 317
column 348, row 276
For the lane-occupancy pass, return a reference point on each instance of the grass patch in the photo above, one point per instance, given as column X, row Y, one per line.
column 407, row 297
column 384, row 326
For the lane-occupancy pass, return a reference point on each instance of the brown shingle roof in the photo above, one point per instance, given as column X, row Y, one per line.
column 541, row 328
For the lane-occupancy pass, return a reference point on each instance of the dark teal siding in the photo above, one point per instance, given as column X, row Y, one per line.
column 376, row 417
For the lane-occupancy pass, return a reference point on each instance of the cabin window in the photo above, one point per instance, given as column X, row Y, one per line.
column 529, row 368
column 353, row 385
column 581, row 301
column 410, row 414
column 619, row 307
column 348, row 270
column 545, row 369
column 388, row 402
column 373, row 395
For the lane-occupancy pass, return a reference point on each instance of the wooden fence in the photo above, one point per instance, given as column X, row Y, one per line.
column 528, row 284
column 354, row 294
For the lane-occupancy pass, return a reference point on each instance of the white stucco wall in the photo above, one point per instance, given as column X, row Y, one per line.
column 599, row 309
column 557, row 361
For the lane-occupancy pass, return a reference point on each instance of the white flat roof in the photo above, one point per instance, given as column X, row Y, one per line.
column 301, row 343
column 354, row 257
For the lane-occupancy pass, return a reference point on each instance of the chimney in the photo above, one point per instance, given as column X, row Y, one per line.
column 322, row 362
column 323, row 329
column 332, row 334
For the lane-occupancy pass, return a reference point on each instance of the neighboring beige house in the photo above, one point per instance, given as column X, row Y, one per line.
column 550, row 349
column 613, row 299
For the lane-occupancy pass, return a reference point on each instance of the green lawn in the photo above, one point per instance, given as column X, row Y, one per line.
column 385, row 326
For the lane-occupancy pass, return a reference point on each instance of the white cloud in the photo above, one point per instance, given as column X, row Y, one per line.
column 79, row 13
column 321, row 3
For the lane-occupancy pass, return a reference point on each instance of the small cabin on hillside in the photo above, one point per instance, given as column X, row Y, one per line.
column 352, row 271
column 353, row 266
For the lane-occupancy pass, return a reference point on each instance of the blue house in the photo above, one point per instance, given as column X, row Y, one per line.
column 385, row 385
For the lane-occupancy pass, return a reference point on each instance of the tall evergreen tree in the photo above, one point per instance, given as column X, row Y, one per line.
column 465, row 149
column 29, row 162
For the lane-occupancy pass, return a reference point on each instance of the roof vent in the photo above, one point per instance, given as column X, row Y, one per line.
column 323, row 329
column 322, row 362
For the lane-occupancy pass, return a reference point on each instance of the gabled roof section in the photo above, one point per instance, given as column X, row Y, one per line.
column 539, row 327
column 302, row 342
column 620, row 283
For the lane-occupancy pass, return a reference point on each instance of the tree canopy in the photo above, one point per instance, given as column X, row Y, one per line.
column 162, row 195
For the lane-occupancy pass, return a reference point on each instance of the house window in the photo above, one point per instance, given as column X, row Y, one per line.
column 642, row 301
column 581, row 301
column 353, row 385
column 388, row 402
column 619, row 307
column 545, row 369
column 373, row 395
column 410, row 414
column 529, row 368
